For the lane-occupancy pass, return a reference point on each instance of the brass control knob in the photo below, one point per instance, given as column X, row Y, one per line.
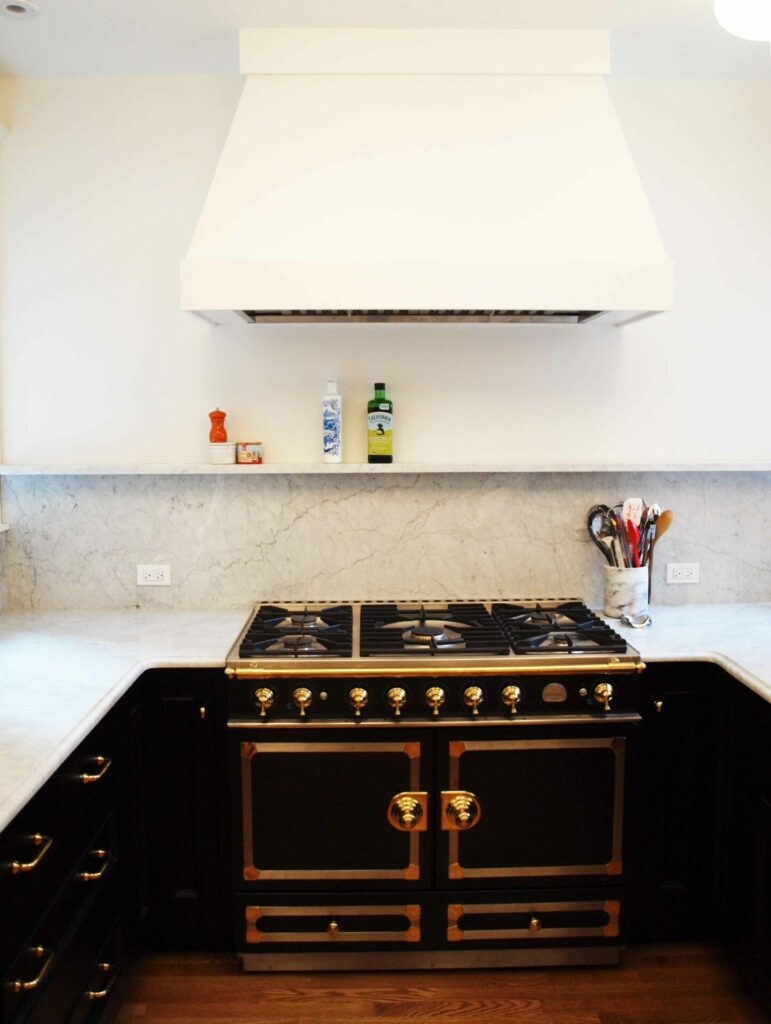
column 434, row 699
column 303, row 698
column 264, row 698
column 511, row 696
column 397, row 698
column 473, row 696
column 358, row 698
column 603, row 694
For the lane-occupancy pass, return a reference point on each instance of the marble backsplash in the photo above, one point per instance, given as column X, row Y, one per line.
column 230, row 540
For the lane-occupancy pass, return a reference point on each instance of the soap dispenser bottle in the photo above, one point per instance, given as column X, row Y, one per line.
column 332, row 423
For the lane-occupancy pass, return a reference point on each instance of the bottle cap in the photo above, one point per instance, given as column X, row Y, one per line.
column 331, row 385
column 380, row 387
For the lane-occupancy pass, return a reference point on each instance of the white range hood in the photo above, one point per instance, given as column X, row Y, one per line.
column 425, row 175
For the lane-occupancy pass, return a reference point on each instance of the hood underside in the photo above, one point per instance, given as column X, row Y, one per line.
column 426, row 176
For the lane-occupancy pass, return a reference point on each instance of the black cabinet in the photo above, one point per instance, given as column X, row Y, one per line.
column 678, row 784
column 185, row 787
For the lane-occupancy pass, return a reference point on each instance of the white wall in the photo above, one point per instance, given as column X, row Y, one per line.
column 102, row 181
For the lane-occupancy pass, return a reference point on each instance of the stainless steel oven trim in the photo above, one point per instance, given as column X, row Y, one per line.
column 617, row 744
column 520, row 720
column 252, row 873
column 411, row 933
column 456, row 911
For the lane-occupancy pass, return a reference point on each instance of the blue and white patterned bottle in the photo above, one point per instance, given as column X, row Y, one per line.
column 332, row 423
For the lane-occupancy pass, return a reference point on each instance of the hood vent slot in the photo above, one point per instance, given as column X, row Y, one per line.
column 435, row 316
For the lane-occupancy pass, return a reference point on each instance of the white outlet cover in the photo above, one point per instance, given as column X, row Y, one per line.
column 153, row 575
column 683, row 572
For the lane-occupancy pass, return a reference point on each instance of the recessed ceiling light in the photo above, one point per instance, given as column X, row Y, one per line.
column 19, row 9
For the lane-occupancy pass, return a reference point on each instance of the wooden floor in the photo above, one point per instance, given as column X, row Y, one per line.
column 683, row 984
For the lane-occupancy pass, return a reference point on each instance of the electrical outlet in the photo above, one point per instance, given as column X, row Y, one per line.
column 153, row 575
column 682, row 572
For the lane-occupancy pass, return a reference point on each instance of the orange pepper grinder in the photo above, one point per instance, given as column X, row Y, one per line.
column 218, row 434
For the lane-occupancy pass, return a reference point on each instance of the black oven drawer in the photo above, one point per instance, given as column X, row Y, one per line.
column 535, row 918
column 329, row 922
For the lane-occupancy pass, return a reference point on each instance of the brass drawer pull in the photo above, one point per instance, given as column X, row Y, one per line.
column 28, row 986
column 103, row 763
column 20, row 867
column 94, row 876
column 112, row 977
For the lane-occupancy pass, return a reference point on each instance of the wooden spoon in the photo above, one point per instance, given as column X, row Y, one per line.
column 662, row 524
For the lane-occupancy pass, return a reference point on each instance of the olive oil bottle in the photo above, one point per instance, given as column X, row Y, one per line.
column 380, row 423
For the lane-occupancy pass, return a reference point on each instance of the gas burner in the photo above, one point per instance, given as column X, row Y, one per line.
column 567, row 627
column 451, row 629
column 306, row 630
column 569, row 615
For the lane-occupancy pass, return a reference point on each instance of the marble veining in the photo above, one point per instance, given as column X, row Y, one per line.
column 230, row 540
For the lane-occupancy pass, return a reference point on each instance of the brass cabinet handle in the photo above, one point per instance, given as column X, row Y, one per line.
column 202, row 712
column 94, row 876
column 103, row 763
column 28, row 986
column 112, row 977
column 21, row 867
column 659, row 706
column 408, row 812
column 460, row 810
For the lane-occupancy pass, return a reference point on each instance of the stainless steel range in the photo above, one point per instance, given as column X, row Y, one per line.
column 430, row 784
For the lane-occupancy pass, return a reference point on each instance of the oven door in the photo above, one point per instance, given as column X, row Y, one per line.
column 328, row 809
column 532, row 803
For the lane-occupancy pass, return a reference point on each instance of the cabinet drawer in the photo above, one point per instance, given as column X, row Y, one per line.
column 37, row 964
column 96, row 999
column 330, row 923
column 533, row 920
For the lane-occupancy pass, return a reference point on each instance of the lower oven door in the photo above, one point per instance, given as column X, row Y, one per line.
column 331, row 810
column 540, row 804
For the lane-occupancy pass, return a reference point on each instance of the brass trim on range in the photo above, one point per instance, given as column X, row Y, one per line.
column 519, row 720
column 383, row 670
column 535, row 928
column 333, row 932
column 617, row 744
column 252, row 873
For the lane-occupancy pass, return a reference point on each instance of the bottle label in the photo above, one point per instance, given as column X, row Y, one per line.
column 331, row 426
column 380, row 433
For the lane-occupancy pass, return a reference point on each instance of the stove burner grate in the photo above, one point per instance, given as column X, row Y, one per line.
column 559, row 627
column 392, row 630
column 279, row 632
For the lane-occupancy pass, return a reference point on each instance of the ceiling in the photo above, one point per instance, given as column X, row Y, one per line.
column 658, row 38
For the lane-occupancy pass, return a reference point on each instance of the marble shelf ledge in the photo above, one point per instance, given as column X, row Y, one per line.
column 289, row 468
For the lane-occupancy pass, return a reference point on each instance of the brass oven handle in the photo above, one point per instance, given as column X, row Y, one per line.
column 94, row 876
column 408, row 812
column 112, row 977
column 21, row 867
column 104, row 766
column 28, row 986
column 460, row 810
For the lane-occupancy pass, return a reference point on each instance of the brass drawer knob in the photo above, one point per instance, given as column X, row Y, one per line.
column 333, row 928
column 535, row 924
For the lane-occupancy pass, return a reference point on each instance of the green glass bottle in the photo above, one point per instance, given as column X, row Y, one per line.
column 380, row 424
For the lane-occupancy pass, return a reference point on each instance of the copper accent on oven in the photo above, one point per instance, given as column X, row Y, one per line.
column 252, row 872
column 617, row 744
column 334, row 932
column 538, row 927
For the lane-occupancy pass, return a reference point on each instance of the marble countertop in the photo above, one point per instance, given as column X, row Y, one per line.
column 60, row 672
